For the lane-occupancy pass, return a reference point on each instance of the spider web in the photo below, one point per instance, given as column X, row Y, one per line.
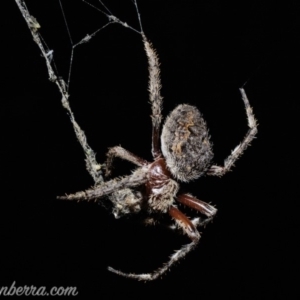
column 76, row 25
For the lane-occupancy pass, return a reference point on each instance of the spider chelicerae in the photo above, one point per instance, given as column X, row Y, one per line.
column 182, row 152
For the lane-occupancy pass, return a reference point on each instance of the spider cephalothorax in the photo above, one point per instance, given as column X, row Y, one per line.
column 182, row 152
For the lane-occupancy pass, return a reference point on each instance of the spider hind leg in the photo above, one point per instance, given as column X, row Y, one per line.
column 155, row 96
column 189, row 229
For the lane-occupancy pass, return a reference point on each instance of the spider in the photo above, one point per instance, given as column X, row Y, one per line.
column 182, row 152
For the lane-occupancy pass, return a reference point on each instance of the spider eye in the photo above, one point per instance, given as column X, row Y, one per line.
column 185, row 143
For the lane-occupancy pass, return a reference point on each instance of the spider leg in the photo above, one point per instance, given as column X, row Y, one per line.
column 198, row 222
column 137, row 178
column 155, row 96
column 238, row 151
column 188, row 227
column 197, row 204
column 120, row 152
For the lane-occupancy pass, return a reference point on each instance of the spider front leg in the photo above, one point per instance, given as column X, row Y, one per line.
column 120, row 152
column 238, row 151
column 189, row 229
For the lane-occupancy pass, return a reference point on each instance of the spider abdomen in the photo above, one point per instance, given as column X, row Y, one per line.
column 185, row 143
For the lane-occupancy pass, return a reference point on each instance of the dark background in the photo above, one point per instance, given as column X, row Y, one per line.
column 207, row 50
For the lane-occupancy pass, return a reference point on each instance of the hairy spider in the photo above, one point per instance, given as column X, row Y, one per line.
column 181, row 152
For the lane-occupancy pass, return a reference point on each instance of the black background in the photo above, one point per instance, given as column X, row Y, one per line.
column 207, row 50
